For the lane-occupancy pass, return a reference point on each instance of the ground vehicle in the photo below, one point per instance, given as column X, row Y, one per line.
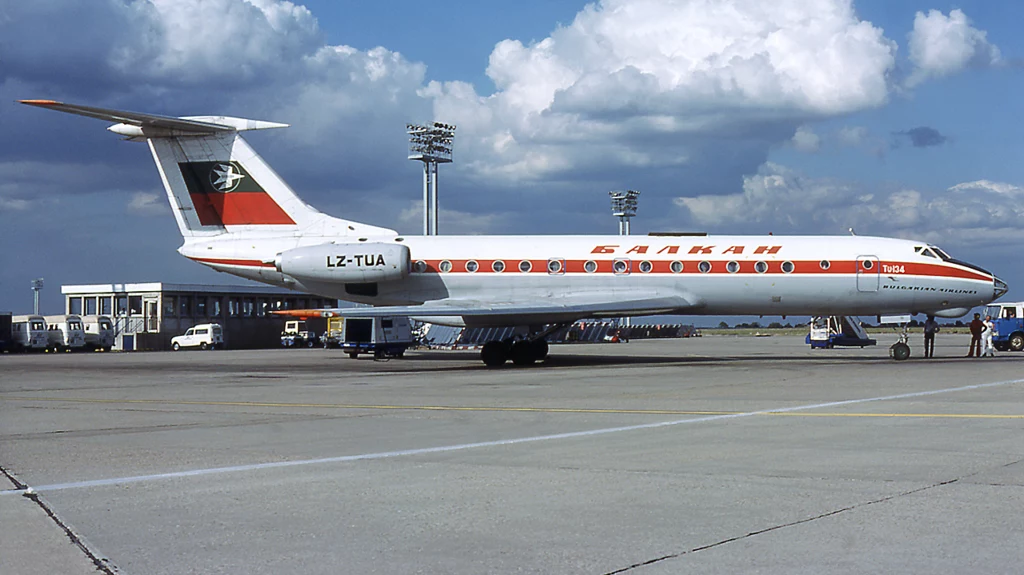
column 837, row 331
column 64, row 332
column 297, row 334
column 1008, row 319
column 29, row 332
column 99, row 332
column 384, row 336
column 5, row 332
column 203, row 336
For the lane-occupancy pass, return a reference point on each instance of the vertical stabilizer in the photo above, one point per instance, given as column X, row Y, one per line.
column 214, row 180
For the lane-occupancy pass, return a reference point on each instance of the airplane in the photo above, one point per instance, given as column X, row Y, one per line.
column 236, row 215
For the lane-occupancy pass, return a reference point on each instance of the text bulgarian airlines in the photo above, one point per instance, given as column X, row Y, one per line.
column 360, row 260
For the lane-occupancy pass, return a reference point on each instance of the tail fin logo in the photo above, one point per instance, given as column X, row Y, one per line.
column 225, row 194
column 225, row 178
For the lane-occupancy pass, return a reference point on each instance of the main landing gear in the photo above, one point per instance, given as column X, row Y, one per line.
column 521, row 351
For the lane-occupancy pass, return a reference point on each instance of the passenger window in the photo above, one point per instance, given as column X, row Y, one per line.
column 189, row 332
column 201, row 331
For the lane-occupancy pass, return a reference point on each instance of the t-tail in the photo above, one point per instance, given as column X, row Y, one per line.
column 216, row 184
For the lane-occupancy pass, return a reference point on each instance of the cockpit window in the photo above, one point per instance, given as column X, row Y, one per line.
column 941, row 253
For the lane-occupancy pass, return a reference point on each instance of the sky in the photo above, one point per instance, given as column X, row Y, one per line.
column 897, row 118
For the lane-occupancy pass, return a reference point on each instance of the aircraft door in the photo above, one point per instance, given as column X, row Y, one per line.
column 868, row 273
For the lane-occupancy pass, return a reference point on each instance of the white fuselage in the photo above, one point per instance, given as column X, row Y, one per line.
column 717, row 275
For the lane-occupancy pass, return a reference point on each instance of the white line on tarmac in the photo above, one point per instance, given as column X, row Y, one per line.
column 494, row 443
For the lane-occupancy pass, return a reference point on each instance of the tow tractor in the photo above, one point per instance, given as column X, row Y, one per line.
column 296, row 334
column 1008, row 319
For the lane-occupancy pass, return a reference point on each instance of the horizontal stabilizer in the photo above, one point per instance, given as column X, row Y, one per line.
column 137, row 124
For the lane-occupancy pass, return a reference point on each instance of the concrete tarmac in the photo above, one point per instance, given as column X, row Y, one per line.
column 708, row 455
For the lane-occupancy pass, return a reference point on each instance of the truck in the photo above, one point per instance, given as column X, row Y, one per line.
column 99, row 332
column 29, row 333
column 65, row 332
column 1008, row 320
column 297, row 334
column 382, row 337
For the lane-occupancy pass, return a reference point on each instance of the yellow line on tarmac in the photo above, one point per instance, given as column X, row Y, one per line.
column 501, row 409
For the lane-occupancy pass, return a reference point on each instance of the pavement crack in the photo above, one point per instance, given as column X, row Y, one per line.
column 103, row 565
column 783, row 526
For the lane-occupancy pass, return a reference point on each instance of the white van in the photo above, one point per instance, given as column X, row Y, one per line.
column 29, row 332
column 203, row 336
column 65, row 332
column 99, row 332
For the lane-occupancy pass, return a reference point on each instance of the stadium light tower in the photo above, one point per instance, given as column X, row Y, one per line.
column 37, row 286
column 624, row 206
column 432, row 145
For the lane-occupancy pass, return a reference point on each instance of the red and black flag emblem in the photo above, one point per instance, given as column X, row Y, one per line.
column 224, row 194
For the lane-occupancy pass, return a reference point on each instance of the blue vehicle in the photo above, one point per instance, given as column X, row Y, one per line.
column 1008, row 319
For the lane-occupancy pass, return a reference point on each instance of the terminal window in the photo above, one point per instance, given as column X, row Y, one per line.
column 170, row 305
column 105, row 305
column 201, row 306
column 75, row 305
column 135, row 305
column 90, row 306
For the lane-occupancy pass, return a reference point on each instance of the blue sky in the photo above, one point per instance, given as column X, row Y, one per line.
column 897, row 118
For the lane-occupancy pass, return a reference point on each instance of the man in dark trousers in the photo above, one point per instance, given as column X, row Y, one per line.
column 931, row 327
column 977, row 326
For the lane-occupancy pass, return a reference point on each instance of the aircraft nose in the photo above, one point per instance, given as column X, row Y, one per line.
column 1000, row 287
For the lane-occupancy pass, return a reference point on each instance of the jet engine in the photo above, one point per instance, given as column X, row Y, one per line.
column 346, row 263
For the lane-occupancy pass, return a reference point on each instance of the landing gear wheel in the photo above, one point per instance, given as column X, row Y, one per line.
column 522, row 353
column 539, row 349
column 203, row 346
column 494, row 354
column 175, row 346
column 310, row 343
column 1017, row 342
column 353, row 355
column 899, row 351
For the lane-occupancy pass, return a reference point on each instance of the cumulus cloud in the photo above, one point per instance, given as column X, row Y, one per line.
column 784, row 200
column 656, row 84
column 941, row 45
column 852, row 135
column 922, row 137
column 806, row 140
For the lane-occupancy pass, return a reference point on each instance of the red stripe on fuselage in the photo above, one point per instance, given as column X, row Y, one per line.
column 605, row 266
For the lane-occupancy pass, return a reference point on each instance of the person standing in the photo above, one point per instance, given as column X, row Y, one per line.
column 977, row 326
column 931, row 327
column 990, row 328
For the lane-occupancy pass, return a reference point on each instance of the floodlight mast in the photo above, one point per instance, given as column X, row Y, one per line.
column 37, row 286
column 624, row 206
column 432, row 145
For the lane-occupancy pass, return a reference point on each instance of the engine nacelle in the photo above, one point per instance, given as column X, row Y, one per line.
column 346, row 263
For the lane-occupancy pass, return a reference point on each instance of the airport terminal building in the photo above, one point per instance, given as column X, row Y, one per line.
column 147, row 315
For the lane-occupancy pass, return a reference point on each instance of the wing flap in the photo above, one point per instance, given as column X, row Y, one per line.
column 571, row 306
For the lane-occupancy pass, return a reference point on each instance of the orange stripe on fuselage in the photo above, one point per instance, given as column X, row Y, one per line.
column 232, row 262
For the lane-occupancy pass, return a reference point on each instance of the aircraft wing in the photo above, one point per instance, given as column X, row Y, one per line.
column 540, row 310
